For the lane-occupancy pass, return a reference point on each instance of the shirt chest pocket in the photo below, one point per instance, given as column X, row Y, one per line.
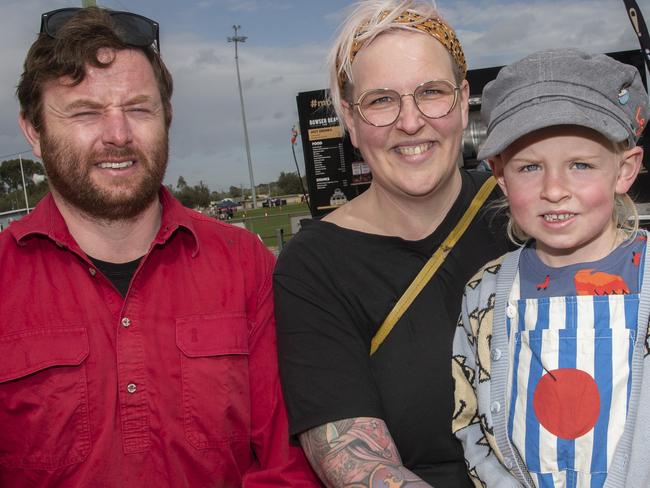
column 44, row 398
column 215, row 380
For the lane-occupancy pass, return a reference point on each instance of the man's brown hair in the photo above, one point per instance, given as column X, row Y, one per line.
column 76, row 46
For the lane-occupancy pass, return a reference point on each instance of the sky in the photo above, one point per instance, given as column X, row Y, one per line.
column 284, row 55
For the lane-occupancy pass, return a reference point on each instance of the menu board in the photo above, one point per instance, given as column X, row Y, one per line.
column 336, row 172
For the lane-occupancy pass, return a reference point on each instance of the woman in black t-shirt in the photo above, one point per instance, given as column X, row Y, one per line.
column 398, row 86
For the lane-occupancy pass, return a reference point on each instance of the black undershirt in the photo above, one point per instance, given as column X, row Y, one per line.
column 119, row 274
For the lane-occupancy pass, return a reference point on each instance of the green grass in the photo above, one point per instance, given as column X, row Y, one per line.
column 265, row 221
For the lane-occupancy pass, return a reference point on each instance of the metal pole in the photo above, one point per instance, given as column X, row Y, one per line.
column 22, row 174
column 237, row 39
column 279, row 238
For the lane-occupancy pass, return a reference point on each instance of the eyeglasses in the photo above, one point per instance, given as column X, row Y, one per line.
column 132, row 29
column 381, row 107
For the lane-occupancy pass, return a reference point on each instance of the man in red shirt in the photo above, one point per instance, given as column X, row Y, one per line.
column 137, row 340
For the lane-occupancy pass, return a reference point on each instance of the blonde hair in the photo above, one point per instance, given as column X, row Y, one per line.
column 366, row 20
column 625, row 214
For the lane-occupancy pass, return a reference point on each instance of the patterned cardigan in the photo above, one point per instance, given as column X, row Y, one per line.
column 481, row 369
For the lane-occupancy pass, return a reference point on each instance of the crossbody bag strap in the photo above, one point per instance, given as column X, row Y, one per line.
column 432, row 265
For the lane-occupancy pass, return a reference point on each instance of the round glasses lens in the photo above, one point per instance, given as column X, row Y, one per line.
column 380, row 107
column 436, row 98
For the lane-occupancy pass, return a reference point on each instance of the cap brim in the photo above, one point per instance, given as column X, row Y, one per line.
column 537, row 116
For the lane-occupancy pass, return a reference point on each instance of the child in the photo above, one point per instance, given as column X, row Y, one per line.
column 549, row 353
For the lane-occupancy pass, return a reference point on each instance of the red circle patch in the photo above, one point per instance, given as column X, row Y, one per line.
column 567, row 402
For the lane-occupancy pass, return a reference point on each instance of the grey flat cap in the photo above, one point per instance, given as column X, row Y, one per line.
column 563, row 86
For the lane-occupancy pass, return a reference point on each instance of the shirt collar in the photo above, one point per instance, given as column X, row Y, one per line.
column 46, row 220
column 174, row 216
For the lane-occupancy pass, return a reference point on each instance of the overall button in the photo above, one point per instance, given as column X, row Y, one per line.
column 92, row 271
column 511, row 311
column 495, row 354
column 495, row 407
column 131, row 388
column 126, row 322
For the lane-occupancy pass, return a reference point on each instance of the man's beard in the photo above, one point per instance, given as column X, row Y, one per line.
column 68, row 171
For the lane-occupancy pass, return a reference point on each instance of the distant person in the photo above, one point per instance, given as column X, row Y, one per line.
column 137, row 338
column 367, row 412
column 553, row 344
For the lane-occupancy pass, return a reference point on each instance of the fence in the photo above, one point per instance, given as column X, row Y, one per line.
column 273, row 228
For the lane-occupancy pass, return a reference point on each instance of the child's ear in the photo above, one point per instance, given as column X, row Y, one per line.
column 496, row 164
column 629, row 168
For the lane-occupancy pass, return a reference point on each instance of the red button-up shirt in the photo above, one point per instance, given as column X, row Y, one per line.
column 174, row 385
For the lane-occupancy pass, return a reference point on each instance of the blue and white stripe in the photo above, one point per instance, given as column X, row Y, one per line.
column 594, row 334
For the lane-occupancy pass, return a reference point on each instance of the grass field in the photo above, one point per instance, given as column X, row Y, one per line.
column 265, row 221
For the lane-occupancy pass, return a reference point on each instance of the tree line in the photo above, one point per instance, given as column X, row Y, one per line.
column 12, row 196
column 288, row 183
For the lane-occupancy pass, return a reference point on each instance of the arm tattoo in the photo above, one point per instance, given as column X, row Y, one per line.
column 357, row 453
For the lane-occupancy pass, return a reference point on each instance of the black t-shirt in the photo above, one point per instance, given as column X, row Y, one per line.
column 333, row 289
column 119, row 274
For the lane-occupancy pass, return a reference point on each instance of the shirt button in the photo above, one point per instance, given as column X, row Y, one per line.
column 92, row 271
column 495, row 407
column 511, row 311
column 126, row 322
column 131, row 388
column 508, row 463
column 495, row 354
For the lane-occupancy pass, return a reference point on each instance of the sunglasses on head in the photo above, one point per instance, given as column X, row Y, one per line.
column 132, row 29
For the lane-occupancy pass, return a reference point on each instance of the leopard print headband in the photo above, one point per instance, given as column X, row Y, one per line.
column 434, row 27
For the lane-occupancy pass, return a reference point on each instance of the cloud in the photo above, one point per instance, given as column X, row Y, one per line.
column 243, row 6
column 207, row 133
column 499, row 32
column 19, row 24
column 256, row 6
column 205, row 58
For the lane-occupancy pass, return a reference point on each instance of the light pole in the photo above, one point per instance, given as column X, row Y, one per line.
column 237, row 39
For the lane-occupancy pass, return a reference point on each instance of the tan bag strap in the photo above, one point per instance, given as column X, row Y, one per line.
column 432, row 265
